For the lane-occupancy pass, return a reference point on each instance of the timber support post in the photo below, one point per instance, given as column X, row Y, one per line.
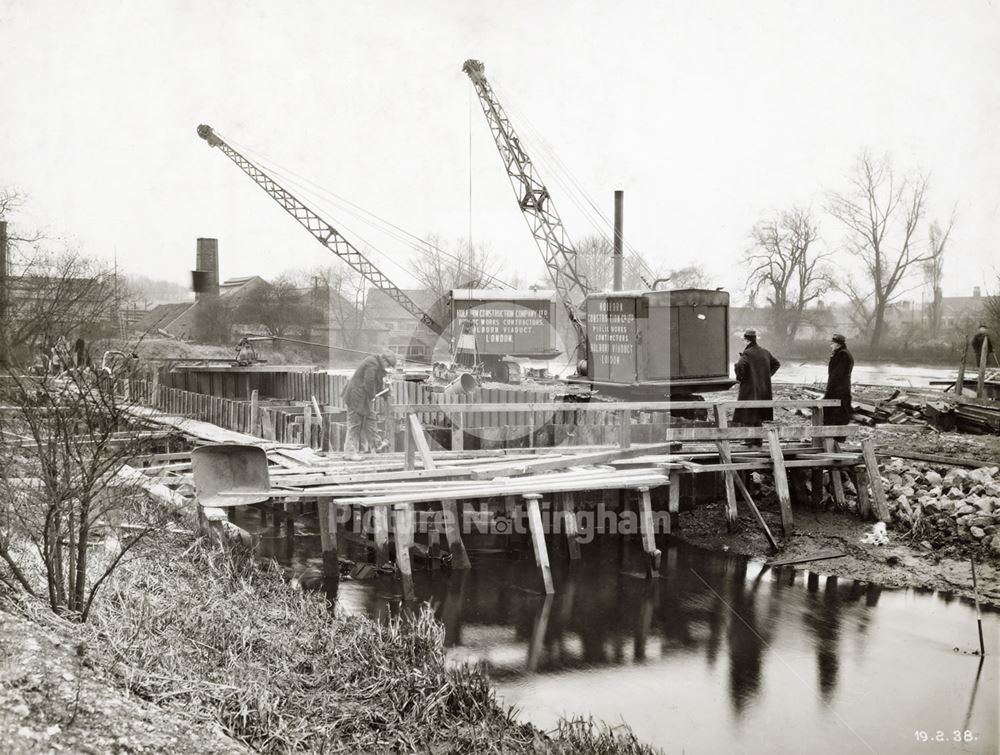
column 328, row 539
column 538, row 540
column 732, row 514
column 452, row 514
column 648, row 531
column 570, row 526
column 780, row 480
column 403, row 520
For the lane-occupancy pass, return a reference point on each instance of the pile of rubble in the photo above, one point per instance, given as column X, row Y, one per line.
column 942, row 411
column 945, row 507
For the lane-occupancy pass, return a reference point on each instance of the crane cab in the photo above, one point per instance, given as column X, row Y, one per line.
column 658, row 342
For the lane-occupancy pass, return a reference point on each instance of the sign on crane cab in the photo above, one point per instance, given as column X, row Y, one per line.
column 508, row 322
column 677, row 340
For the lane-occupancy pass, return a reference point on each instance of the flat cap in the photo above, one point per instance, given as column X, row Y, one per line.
column 838, row 338
column 749, row 333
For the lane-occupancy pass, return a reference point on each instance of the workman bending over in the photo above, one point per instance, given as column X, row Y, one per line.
column 359, row 395
column 838, row 382
column 753, row 371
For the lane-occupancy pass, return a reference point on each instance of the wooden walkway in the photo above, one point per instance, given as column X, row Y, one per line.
column 446, row 482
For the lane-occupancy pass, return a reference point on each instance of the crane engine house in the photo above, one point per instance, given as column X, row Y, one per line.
column 640, row 343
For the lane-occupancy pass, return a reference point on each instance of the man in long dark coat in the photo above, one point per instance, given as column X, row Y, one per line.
column 367, row 382
column 753, row 371
column 838, row 382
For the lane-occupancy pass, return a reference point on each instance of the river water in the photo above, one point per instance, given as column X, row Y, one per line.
column 719, row 655
column 866, row 373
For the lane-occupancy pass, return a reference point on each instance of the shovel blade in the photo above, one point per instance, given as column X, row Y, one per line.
column 222, row 469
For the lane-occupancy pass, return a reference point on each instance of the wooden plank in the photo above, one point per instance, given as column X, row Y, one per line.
column 780, row 480
column 674, row 499
column 570, row 525
column 823, row 556
column 952, row 461
column 861, row 485
column 403, row 519
column 732, row 515
column 836, row 481
column 538, row 540
column 875, row 479
column 328, row 542
column 420, row 441
column 984, row 352
column 625, row 429
column 568, row 460
column 380, row 522
column 409, row 444
column 453, row 533
column 522, row 409
column 648, row 534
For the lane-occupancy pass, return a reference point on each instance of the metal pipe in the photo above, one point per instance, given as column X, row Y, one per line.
column 619, row 229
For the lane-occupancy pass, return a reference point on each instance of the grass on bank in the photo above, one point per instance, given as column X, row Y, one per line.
column 230, row 642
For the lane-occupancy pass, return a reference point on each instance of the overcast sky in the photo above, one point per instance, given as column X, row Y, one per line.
column 708, row 114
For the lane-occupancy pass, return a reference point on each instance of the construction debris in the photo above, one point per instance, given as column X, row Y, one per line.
column 919, row 410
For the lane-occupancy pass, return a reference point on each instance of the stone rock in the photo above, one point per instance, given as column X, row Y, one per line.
column 963, row 521
column 965, row 509
column 980, row 521
column 976, row 490
column 929, row 505
column 892, row 480
column 926, row 544
column 935, row 491
column 982, row 475
column 955, row 477
column 985, row 505
column 946, row 505
column 956, row 494
column 977, row 533
column 933, row 478
column 992, row 489
column 908, row 491
column 995, row 544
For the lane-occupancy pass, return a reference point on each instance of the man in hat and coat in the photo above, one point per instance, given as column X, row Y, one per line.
column 367, row 382
column 753, row 371
column 838, row 382
column 982, row 336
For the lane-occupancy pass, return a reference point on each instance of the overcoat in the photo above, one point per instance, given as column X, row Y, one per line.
column 838, row 386
column 753, row 371
column 367, row 380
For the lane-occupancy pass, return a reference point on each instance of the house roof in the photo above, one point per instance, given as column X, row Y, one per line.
column 161, row 316
column 378, row 305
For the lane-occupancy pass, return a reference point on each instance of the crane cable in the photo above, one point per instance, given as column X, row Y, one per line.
column 366, row 216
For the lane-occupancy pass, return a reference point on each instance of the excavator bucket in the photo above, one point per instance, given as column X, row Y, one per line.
column 230, row 474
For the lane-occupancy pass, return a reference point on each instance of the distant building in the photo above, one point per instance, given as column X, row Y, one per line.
column 406, row 334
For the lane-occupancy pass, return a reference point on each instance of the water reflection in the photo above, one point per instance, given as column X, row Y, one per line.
column 718, row 643
column 602, row 616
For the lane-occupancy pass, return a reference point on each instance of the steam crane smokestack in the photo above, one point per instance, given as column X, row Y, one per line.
column 619, row 228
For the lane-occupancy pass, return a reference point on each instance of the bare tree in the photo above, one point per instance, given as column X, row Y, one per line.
column 64, row 447
column 785, row 268
column 881, row 214
column 933, row 269
column 595, row 259
column 278, row 307
column 439, row 269
column 338, row 298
